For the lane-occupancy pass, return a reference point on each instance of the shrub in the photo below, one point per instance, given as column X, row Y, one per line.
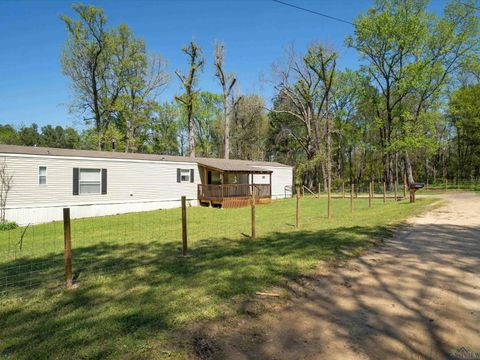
column 8, row 225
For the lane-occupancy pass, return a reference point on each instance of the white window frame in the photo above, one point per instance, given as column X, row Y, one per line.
column 80, row 181
column 187, row 175
column 46, row 175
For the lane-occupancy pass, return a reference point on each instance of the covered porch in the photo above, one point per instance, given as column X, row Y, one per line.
column 232, row 186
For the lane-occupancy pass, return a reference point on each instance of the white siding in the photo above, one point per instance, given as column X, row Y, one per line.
column 282, row 180
column 131, row 186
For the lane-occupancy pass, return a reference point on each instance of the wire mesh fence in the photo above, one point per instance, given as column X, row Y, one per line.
column 33, row 256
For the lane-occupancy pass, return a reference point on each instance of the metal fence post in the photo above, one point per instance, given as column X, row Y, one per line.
column 67, row 240
column 184, row 226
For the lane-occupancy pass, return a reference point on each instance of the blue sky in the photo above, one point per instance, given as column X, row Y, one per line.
column 255, row 33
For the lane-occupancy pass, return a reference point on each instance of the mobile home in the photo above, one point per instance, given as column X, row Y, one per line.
column 96, row 183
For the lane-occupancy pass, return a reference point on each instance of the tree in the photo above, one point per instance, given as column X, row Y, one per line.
column 87, row 59
column 464, row 114
column 143, row 77
column 189, row 81
column 303, row 91
column 29, row 136
column 164, row 128
column 8, row 135
column 58, row 137
column 227, row 81
column 207, row 120
column 410, row 55
column 71, row 139
column 6, row 183
column 249, row 128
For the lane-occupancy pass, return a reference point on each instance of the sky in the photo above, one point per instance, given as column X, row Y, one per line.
column 255, row 33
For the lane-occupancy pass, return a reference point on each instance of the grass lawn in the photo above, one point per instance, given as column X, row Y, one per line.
column 136, row 294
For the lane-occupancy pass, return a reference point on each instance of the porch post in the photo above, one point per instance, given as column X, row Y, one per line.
column 270, row 185
column 221, row 184
column 251, row 186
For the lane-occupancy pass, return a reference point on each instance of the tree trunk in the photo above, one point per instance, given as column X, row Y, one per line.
column 191, row 133
column 226, row 138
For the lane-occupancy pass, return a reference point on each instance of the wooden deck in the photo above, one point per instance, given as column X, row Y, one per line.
column 234, row 195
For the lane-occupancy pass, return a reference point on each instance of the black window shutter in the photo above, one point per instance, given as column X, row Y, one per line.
column 104, row 181
column 179, row 175
column 75, row 181
column 191, row 175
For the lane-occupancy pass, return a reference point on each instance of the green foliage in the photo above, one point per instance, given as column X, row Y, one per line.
column 8, row 135
column 249, row 128
column 29, row 136
column 164, row 130
column 49, row 136
column 8, row 225
column 207, row 116
column 464, row 114
column 114, row 80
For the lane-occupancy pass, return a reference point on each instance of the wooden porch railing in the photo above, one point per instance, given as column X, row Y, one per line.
column 206, row 192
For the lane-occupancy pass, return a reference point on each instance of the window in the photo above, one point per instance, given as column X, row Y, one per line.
column 185, row 175
column 42, row 175
column 90, row 181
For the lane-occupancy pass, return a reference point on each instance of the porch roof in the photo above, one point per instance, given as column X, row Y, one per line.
column 223, row 165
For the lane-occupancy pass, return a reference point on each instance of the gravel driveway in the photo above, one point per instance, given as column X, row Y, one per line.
column 416, row 297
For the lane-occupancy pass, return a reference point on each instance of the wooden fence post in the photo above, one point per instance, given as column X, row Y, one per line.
column 370, row 194
column 254, row 230
column 329, row 200
column 67, row 237
column 352, row 191
column 184, row 226
column 343, row 189
column 395, row 190
column 404, row 185
column 297, row 212
column 384, row 192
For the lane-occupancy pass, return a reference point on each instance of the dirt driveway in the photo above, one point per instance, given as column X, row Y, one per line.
column 416, row 297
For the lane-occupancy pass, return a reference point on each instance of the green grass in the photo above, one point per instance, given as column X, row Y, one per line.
column 137, row 296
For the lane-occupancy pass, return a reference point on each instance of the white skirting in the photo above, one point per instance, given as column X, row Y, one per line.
column 46, row 213
column 43, row 214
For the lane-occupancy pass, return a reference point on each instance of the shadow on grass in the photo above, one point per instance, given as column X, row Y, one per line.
column 131, row 295
column 417, row 300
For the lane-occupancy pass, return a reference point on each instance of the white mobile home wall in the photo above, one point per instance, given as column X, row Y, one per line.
column 132, row 185
column 282, row 180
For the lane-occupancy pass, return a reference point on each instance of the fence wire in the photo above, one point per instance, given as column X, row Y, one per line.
column 33, row 256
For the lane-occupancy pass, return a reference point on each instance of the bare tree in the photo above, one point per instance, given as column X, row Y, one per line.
column 189, row 81
column 303, row 91
column 227, row 81
column 6, row 182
